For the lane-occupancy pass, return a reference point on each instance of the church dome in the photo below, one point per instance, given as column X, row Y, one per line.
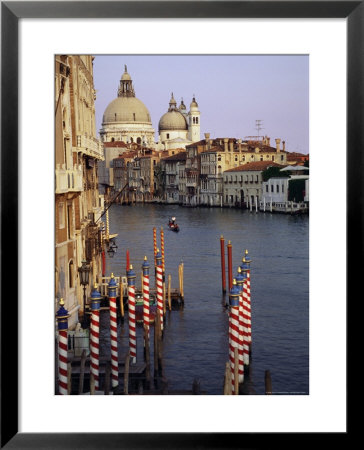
column 126, row 109
column 172, row 120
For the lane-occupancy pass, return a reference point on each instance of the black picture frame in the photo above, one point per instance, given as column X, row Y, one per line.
column 11, row 13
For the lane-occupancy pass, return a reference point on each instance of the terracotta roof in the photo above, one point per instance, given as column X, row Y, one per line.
column 115, row 144
column 181, row 156
column 255, row 166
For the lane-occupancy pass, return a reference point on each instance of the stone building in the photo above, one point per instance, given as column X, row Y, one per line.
column 173, row 171
column 243, row 184
column 78, row 205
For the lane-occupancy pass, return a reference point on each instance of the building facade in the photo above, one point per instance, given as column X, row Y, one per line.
column 78, row 206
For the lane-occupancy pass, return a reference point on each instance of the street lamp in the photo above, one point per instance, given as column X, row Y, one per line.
column 84, row 271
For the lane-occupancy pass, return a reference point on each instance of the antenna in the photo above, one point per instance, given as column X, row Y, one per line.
column 258, row 126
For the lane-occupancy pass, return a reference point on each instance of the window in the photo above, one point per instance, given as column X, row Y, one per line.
column 167, row 135
column 61, row 215
column 266, row 188
column 272, row 157
column 282, row 187
column 277, row 188
column 196, row 119
column 69, row 221
column 271, row 188
column 70, row 274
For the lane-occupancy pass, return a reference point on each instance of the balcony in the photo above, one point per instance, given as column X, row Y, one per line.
column 68, row 180
column 90, row 146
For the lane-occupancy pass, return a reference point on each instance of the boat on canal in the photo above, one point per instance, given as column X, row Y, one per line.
column 139, row 305
column 172, row 224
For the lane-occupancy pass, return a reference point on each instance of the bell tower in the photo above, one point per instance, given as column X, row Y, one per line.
column 194, row 121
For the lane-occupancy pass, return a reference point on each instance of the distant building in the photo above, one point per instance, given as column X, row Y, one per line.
column 243, row 184
column 173, row 166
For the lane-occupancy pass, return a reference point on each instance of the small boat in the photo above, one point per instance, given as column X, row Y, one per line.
column 139, row 306
column 173, row 225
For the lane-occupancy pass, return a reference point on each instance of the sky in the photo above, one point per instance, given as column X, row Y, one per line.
column 232, row 92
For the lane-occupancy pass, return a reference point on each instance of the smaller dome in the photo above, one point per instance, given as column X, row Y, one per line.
column 172, row 120
column 182, row 106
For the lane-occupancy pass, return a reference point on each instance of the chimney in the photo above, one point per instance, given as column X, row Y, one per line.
column 207, row 141
column 226, row 140
column 278, row 142
column 284, row 146
column 239, row 144
column 268, row 141
column 231, row 145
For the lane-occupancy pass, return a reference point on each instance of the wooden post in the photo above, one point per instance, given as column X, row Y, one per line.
column 82, row 371
column 182, row 294
column 121, row 289
column 236, row 371
column 268, row 383
column 223, row 271
column 169, row 292
column 227, row 383
column 147, row 355
column 230, row 265
column 126, row 374
column 160, row 345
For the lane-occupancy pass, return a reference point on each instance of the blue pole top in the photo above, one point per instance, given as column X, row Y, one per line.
column 247, row 259
column 244, row 267
column 240, row 279
column 112, row 282
column 145, row 266
column 62, row 316
column 158, row 258
column 234, row 294
column 131, row 276
column 95, row 298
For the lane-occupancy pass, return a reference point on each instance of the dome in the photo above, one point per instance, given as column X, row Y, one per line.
column 172, row 120
column 126, row 109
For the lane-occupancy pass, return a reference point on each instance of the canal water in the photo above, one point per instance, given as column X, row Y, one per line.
column 195, row 343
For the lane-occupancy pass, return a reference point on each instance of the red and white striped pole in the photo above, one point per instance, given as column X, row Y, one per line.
column 95, row 301
column 162, row 249
column 62, row 320
column 131, row 307
column 242, row 338
column 113, row 332
column 145, row 268
column 233, row 329
column 155, row 244
column 248, row 262
column 160, row 309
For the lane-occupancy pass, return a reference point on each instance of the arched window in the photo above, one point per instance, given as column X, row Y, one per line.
column 70, row 274
column 139, row 140
column 196, row 119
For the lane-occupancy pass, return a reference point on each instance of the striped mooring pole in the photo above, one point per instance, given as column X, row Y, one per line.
column 160, row 287
column 162, row 250
column 246, row 268
column 155, row 244
column 242, row 339
column 145, row 268
column 131, row 307
column 113, row 332
column 95, row 301
column 233, row 329
column 62, row 320
column 223, row 270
